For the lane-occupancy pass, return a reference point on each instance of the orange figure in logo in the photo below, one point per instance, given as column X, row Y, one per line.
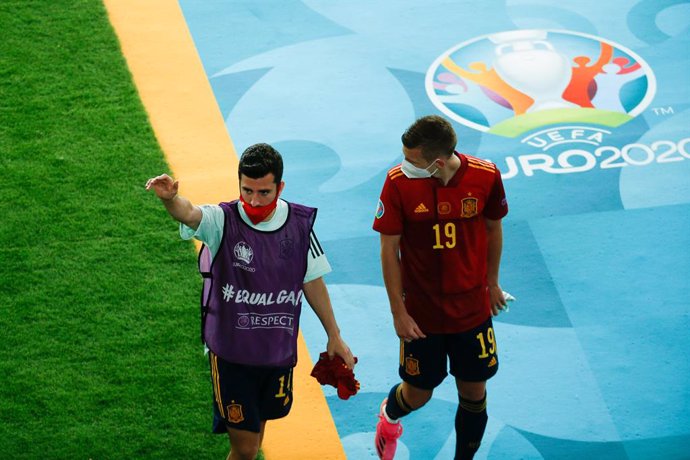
column 490, row 80
column 577, row 91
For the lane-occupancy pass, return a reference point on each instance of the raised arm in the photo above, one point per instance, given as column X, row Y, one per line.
column 179, row 207
column 317, row 295
column 405, row 327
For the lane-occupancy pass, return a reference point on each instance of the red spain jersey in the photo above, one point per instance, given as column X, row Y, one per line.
column 443, row 244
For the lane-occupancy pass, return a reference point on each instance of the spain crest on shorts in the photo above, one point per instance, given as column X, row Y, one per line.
column 469, row 207
column 411, row 366
column 235, row 414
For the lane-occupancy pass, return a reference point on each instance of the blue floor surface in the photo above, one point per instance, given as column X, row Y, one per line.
column 594, row 360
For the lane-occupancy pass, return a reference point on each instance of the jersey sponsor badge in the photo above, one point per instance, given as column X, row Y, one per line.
column 380, row 209
column 469, row 207
column 235, row 414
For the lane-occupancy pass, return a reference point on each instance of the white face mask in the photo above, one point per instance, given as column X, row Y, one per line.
column 413, row 172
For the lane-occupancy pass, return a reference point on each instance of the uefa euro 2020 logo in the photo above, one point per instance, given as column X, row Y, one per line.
column 243, row 252
column 510, row 83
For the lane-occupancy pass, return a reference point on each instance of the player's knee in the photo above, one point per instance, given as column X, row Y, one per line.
column 473, row 391
column 473, row 395
column 420, row 400
column 244, row 447
column 243, row 451
column 416, row 397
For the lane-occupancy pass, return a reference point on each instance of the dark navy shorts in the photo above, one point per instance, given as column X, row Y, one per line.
column 473, row 357
column 244, row 396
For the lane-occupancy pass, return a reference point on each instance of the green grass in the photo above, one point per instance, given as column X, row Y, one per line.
column 99, row 348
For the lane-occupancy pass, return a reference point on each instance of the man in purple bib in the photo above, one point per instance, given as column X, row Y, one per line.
column 260, row 256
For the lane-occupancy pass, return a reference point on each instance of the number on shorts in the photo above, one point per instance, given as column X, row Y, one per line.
column 281, row 391
column 492, row 343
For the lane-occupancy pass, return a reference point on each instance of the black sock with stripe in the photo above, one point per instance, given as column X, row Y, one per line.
column 396, row 406
column 470, row 423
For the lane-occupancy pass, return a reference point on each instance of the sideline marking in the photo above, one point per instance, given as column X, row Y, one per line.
column 183, row 112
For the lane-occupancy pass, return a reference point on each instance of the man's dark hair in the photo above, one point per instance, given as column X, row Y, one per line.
column 433, row 134
column 260, row 159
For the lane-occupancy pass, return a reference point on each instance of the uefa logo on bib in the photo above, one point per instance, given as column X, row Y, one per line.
column 511, row 83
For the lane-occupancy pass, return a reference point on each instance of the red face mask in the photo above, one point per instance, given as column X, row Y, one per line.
column 258, row 213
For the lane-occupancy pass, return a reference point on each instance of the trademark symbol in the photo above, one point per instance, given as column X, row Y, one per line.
column 663, row 111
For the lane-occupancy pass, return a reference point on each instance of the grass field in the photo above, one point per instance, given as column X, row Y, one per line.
column 99, row 354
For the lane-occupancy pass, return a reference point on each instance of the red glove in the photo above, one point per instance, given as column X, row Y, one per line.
column 334, row 372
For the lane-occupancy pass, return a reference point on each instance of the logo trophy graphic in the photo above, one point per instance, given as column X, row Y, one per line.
column 514, row 82
column 530, row 64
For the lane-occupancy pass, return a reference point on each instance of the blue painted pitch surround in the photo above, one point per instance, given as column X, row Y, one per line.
column 594, row 352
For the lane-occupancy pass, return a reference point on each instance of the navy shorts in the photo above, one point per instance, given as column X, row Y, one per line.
column 473, row 357
column 244, row 396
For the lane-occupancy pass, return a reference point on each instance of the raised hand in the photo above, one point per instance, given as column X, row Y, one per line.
column 164, row 186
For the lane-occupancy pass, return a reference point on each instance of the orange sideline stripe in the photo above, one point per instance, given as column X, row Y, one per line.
column 190, row 129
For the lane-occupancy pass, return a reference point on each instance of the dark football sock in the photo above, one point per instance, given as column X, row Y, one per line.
column 470, row 423
column 396, row 406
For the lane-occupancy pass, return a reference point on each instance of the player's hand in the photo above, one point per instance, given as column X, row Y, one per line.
column 406, row 327
column 337, row 346
column 497, row 300
column 164, row 186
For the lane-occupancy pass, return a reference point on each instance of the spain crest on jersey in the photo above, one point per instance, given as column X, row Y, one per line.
column 469, row 207
column 411, row 366
column 235, row 414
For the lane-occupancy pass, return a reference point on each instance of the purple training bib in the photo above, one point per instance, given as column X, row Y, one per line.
column 252, row 293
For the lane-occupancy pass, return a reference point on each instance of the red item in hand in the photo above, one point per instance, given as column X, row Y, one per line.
column 335, row 372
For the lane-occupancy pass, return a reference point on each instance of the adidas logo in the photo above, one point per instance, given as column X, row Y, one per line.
column 493, row 362
column 420, row 209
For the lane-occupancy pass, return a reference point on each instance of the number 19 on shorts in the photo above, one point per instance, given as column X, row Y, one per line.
column 487, row 343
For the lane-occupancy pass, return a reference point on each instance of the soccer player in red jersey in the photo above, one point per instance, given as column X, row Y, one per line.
column 439, row 217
